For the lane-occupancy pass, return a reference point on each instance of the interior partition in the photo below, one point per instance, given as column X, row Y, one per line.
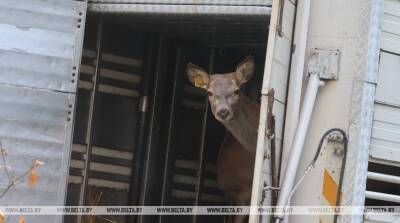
column 143, row 134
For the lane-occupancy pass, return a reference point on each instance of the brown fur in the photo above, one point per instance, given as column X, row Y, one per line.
column 235, row 162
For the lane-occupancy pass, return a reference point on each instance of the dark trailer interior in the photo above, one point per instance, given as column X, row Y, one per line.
column 143, row 135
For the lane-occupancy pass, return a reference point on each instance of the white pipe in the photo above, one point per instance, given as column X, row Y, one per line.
column 382, row 196
column 299, row 139
column 295, row 81
column 383, row 177
column 261, row 137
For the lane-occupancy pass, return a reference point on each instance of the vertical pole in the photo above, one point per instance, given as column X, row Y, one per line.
column 201, row 165
column 262, row 141
column 153, row 130
column 298, row 143
column 91, row 117
column 295, row 82
column 170, row 137
column 141, row 135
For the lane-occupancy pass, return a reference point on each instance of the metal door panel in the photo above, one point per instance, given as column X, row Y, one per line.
column 51, row 7
column 36, row 125
column 56, row 19
column 40, row 50
column 41, row 43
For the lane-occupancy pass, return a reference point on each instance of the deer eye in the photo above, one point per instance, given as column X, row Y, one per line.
column 209, row 93
column 236, row 92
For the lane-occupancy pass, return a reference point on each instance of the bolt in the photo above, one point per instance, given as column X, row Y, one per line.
column 338, row 151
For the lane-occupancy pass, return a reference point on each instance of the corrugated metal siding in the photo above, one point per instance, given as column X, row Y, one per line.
column 385, row 142
column 385, row 139
column 391, row 27
column 34, row 126
column 40, row 43
column 40, row 47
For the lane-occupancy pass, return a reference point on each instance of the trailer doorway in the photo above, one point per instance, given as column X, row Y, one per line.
column 143, row 134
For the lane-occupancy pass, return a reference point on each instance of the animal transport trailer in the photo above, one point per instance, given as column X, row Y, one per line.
column 96, row 92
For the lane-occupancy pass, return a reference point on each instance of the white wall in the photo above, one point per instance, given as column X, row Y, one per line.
column 349, row 26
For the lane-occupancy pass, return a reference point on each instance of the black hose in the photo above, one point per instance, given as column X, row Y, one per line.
column 345, row 142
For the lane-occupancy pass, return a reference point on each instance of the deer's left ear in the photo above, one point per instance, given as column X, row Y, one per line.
column 197, row 75
column 245, row 70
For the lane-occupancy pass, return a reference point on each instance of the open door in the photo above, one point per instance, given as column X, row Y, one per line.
column 270, row 132
column 40, row 51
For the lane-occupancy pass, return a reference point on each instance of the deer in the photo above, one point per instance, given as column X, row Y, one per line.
column 240, row 116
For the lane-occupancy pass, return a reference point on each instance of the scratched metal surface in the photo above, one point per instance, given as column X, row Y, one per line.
column 35, row 125
column 40, row 43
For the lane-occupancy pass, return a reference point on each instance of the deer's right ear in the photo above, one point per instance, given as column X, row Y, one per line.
column 197, row 76
column 245, row 70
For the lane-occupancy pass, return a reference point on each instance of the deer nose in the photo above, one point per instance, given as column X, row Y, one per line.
column 223, row 113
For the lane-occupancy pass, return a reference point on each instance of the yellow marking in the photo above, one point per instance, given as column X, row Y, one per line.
column 199, row 82
column 330, row 189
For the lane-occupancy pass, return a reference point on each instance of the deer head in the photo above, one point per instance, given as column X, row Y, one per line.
column 223, row 90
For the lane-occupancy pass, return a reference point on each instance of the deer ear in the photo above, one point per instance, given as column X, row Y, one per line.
column 197, row 75
column 245, row 70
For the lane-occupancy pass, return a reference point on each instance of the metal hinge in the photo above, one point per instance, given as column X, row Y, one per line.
column 279, row 25
column 270, row 117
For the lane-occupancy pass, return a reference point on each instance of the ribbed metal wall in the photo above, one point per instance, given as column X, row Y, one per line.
column 40, row 47
column 385, row 139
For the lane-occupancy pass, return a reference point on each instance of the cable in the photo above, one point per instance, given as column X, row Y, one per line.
column 314, row 161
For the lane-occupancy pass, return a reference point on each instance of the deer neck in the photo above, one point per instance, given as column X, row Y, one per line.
column 244, row 124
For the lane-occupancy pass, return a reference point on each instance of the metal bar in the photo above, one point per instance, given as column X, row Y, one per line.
column 154, row 119
column 170, row 137
column 213, row 10
column 134, row 190
column 298, row 143
column 91, row 117
column 383, row 177
column 262, row 146
column 272, row 137
column 382, row 196
column 279, row 26
column 295, row 84
column 200, row 168
column 190, row 2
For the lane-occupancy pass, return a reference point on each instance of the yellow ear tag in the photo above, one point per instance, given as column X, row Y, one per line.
column 199, row 82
